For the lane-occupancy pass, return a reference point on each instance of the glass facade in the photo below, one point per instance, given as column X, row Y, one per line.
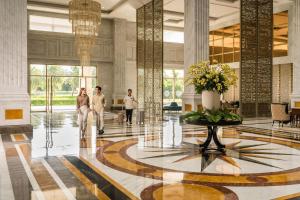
column 224, row 43
column 173, row 86
column 280, row 44
column 56, row 86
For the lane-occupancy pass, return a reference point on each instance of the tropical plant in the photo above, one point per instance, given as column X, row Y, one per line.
column 211, row 116
column 204, row 76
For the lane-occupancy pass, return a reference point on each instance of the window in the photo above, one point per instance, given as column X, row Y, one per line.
column 50, row 24
column 173, row 36
column 56, row 86
column 224, row 43
column 280, row 43
column 173, row 86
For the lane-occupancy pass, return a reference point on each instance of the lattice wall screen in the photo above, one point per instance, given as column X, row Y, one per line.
column 150, row 58
column 256, row 57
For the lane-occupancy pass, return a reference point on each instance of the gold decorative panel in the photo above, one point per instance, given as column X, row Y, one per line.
column 150, row 58
column 141, row 56
column 120, row 101
column 188, row 107
column 199, row 108
column 158, row 57
column 148, row 73
column 256, row 57
column 297, row 104
column 13, row 114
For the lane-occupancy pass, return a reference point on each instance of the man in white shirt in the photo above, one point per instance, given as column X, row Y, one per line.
column 129, row 102
column 98, row 104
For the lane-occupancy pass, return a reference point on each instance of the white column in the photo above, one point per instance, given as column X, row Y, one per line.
column 294, row 46
column 120, row 48
column 196, row 43
column 14, row 98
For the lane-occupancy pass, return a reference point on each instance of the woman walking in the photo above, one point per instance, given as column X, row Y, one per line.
column 83, row 108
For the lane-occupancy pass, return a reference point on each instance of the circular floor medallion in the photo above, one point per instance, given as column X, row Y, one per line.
column 255, row 154
column 180, row 191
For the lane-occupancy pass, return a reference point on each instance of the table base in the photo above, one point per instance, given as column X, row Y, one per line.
column 212, row 134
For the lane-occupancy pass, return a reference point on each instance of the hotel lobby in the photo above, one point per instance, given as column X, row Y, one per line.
column 213, row 87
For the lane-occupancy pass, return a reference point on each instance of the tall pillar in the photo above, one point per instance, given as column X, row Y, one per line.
column 150, row 58
column 294, row 46
column 196, row 44
column 120, row 47
column 256, row 57
column 14, row 98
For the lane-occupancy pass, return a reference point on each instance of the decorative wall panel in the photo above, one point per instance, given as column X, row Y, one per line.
column 141, row 56
column 37, row 47
column 282, row 83
column 53, row 49
column 149, row 61
column 61, row 47
column 256, row 57
column 66, row 48
column 150, row 58
column 158, row 56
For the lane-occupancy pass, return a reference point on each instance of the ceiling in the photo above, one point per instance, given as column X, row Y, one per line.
column 106, row 4
column 174, row 9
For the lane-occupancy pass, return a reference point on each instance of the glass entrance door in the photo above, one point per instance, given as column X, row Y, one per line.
column 38, row 87
column 63, row 92
column 55, row 87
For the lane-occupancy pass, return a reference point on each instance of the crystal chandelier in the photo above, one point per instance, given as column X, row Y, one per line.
column 85, row 16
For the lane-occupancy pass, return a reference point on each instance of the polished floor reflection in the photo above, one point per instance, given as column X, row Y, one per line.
column 153, row 161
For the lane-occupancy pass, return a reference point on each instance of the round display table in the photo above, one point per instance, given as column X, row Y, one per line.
column 212, row 133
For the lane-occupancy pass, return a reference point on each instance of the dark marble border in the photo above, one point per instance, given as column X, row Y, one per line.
column 16, row 129
column 69, row 179
column 21, row 185
column 269, row 132
column 108, row 188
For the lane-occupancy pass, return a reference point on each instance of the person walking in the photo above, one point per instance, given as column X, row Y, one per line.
column 129, row 102
column 98, row 104
column 83, row 108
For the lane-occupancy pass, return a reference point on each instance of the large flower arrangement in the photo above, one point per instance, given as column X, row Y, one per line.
column 204, row 76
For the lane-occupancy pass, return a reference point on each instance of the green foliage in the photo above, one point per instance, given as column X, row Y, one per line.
column 57, row 100
column 212, row 116
column 173, row 84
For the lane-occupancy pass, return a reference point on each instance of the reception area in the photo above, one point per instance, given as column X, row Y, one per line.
column 149, row 100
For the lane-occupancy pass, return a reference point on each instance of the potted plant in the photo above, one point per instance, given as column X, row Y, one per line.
column 211, row 80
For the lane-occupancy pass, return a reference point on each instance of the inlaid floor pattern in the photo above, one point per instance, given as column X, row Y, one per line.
column 158, row 160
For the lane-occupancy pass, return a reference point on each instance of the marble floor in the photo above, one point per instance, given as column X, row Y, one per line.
column 153, row 161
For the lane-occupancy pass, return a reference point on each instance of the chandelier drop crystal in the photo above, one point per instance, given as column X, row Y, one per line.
column 85, row 16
